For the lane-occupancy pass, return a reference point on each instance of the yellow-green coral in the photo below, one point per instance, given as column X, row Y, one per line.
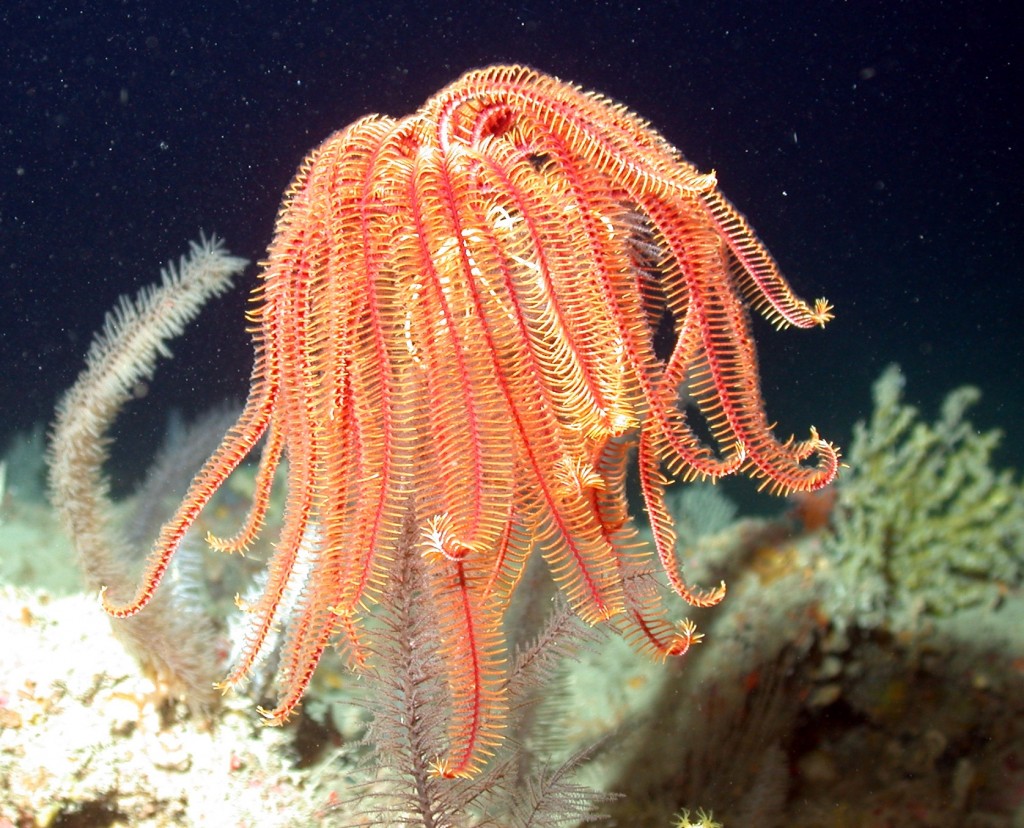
column 703, row 819
column 923, row 524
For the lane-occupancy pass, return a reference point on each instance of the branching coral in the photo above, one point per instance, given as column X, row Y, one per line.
column 518, row 789
column 923, row 522
column 171, row 642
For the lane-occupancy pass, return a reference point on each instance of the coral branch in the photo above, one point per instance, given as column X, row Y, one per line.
column 170, row 642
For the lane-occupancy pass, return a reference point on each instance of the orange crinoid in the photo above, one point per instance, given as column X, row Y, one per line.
column 455, row 352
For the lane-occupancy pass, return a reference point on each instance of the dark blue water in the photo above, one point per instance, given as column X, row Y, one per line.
column 876, row 147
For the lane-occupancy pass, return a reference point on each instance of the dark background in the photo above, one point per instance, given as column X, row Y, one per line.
column 876, row 148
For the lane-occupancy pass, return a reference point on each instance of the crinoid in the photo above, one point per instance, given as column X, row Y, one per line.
column 455, row 333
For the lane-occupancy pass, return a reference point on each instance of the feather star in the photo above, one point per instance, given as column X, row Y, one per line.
column 456, row 352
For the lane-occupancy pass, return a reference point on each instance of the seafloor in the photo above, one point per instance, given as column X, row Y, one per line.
column 788, row 713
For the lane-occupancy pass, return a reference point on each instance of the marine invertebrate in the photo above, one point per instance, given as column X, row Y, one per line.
column 703, row 820
column 923, row 524
column 523, row 785
column 172, row 641
column 455, row 331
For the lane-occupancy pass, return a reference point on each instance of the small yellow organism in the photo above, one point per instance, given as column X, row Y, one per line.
column 704, row 819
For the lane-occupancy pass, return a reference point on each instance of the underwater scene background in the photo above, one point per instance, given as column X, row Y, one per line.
column 866, row 667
